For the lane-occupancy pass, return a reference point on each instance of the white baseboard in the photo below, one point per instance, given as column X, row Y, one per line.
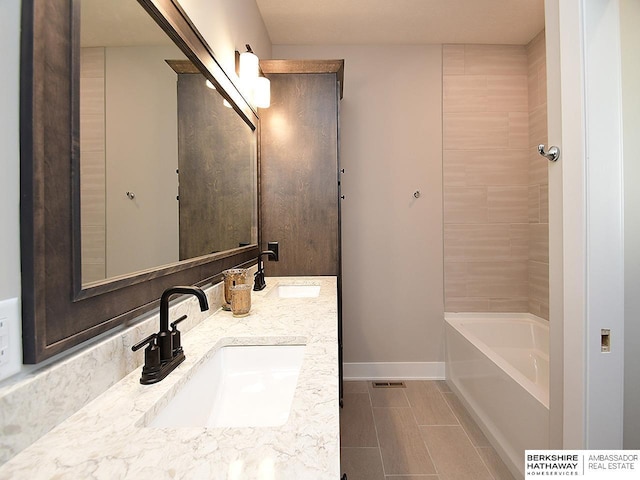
column 394, row 371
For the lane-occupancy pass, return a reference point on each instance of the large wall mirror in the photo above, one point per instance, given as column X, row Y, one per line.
column 139, row 166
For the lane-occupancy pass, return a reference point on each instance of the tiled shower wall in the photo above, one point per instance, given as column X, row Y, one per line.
column 493, row 179
column 538, row 181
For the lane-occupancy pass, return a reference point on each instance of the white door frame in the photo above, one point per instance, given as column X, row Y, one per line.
column 586, row 277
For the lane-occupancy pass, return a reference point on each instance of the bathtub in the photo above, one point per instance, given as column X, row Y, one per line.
column 498, row 365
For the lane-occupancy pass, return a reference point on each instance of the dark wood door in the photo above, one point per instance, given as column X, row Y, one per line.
column 299, row 174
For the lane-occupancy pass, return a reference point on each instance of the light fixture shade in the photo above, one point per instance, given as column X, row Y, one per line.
column 262, row 92
column 209, row 84
column 248, row 66
column 226, row 104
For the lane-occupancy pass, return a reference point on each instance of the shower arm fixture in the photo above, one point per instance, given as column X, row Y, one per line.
column 552, row 154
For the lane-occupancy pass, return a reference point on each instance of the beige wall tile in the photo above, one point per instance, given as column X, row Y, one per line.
column 495, row 60
column 518, row 130
column 465, row 205
column 477, row 130
column 93, row 245
column 481, row 150
column 535, row 307
column 453, row 454
column 92, row 188
column 92, row 96
column 468, row 243
column 538, row 168
column 508, row 204
column 507, row 93
column 544, row 203
column 539, row 242
column 539, row 282
column 453, row 59
column 519, row 234
column 402, row 447
column 465, row 93
column 454, row 168
column 509, row 304
column 455, row 279
column 538, row 126
column 466, row 304
column 92, row 62
column 533, row 89
column 92, row 136
column 534, row 203
column 497, row 279
column 486, row 167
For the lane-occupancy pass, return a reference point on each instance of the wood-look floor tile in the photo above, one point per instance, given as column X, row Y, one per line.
column 361, row 463
column 443, row 386
column 453, row 454
column 387, row 397
column 401, row 444
column 356, row 422
column 475, row 434
column 355, row 387
column 495, row 464
column 428, row 405
column 412, row 477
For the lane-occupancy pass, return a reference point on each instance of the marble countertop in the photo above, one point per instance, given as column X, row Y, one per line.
column 108, row 439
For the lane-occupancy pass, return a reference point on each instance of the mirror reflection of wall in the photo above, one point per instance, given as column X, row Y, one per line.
column 130, row 150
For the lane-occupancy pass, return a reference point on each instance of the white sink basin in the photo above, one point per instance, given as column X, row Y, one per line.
column 240, row 386
column 296, row 291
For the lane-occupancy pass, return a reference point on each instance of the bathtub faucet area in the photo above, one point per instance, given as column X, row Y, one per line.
column 164, row 350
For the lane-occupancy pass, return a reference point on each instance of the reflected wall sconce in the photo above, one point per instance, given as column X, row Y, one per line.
column 248, row 70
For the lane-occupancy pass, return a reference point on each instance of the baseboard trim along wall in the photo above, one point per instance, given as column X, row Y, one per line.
column 394, row 371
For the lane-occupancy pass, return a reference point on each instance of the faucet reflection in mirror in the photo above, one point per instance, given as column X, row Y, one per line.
column 164, row 350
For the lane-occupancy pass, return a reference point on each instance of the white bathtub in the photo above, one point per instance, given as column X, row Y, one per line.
column 498, row 365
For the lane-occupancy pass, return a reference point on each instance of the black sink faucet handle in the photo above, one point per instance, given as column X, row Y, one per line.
column 176, row 322
column 176, row 343
column 151, row 353
column 150, row 339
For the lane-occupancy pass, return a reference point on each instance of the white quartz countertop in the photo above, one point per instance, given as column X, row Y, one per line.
column 108, row 439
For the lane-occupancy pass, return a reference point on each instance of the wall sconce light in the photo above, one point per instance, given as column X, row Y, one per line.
column 248, row 70
column 249, row 65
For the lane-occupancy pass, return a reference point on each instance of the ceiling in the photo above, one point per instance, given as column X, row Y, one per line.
column 371, row 22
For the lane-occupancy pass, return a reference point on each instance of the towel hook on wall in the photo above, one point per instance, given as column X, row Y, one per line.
column 552, row 155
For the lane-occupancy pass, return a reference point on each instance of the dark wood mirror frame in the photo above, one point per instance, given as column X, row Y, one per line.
column 57, row 312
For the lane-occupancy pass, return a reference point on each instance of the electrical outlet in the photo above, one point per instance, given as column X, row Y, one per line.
column 273, row 246
column 605, row 340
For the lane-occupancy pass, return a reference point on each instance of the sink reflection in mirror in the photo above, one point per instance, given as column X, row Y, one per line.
column 296, row 291
column 240, row 386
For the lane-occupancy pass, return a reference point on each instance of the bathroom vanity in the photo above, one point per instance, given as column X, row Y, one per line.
column 114, row 436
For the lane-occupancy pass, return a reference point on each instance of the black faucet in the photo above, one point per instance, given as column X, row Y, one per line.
column 164, row 351
column 259, row 283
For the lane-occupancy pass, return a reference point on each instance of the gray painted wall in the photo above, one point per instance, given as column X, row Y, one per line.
column 9, row 166
column 391, row 146
column 630, row 39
